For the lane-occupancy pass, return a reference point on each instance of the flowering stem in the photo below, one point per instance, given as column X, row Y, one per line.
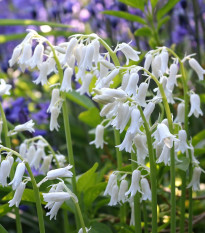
column 137, row 210
column 182, row 203
column 145, row 217
column 152, row 172
column 35, row 189
column 118, row 152
column 8, row 144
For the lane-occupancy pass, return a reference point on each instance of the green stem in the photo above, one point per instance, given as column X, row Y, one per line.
column 80, row 217
column 182, row 203
column 65, row 222
column 153, row 172
column 35, row 189
column 8, row 144
column 137, row 210
column 118, row 152
column 145, row 217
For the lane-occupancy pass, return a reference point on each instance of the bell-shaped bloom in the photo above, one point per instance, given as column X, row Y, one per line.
column 195, row 181
column 54, row 210
column 59, row 172
column 141, row 95
column 123, row 189
column 149, row 110
column 87, row 230
column 148, row 61
column 164, row 60
column 30, row 153
column 131, row 88
column 146, row 192
column 156, row 66
column 164, row 156
column 46, row 164
column 135, row 124
column 4, row 88
column 96, row 54
column 37, row 57
column 195, row 106
column 18, row 195
column 109, row 110
column 129, row 52
column 107, row 80
column 26, row 55
column 125, row 80
column 28, row 126
column 56, row 196
column 180, row 113
column 87, row 61
column 140, row 142
column 51, row 66
column 122, row 118
column 55, row 111
column 193, row 158
column 4, row 172
column 182, row 143
column 20, row 169
column 42, row 78
column 84, row 89
column 134, row 187
column 99, row 134
column 197, row 68
column 172, row 80
column 67, row 81
column 55, row 98
column 127, row 142
column 71, row 62
column 162, row 134
column 39, row 154
column 114, row 195
column 15, row 55
column 70, row 48
column 23, row 149
column 79, row 53
column 111, row 182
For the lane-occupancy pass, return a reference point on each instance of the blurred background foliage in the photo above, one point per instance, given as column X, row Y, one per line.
column 145, row 25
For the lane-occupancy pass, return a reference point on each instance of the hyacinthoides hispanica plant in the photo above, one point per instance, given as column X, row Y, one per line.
column 127, row 108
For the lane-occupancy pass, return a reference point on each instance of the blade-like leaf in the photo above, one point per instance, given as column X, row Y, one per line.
column 26, row 22
column 125, row 15
column 166, row 8
column 144, row 31
column 4, row 209
column 2, row 229
column 90, row 117
column 154, row 3
column 162, row 21
column 139, row 4
column 198, row 137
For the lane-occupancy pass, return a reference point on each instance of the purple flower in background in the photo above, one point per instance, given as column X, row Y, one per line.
column 41, row 115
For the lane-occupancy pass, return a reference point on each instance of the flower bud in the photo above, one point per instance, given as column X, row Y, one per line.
column 141, row 95
column 156, row 66
column 28, row 126
column 180, row 113
column 15, row 56
column 146, row 192
column 197, row 68
column 59, row 172
column 18, row 195
column 148, row 61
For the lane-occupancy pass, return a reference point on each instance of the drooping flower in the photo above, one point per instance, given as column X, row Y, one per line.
column 42, row 78
column 56, row 197
column 28, row 126
column 180, row 113
column 84, row 89
column 37, row 58
column 114, row 196
column 148, row 61
column 142, row 151
column 66, row 83
column 18, row 195
column 131, row 88
column 39, row 154
column 135, row 124
column 141, row 95
column 54, row 209
column 99, row 133
column 129, row 52
column 123, row 189
column 127, row 142
column 4, row 88
column 146, row 192
column 20, row 169
column 46, row 164
column 172, row 80
column 55, row 111
column 59, row 173
column 164, row 60
column 4, row 172
column 164, row 156
column 134, row 187
column 195, row 106
column 55, row 98
column 156, row 66
column 111, row 182
column 197, row 68
column 182, row 143
column 195, row 181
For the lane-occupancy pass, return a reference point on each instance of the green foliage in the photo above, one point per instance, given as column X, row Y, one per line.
column 183, row 164
column 97, row 227
column 90, row 117
column 4, row 209
column 2, row 229
column 144, row 31
column 162, row 22
column 154, row 3
column 166, row 8
column 198, row 137
column 139, row 4
column 125, row 15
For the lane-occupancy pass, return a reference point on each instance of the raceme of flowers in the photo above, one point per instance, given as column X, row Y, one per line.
column 81, row 58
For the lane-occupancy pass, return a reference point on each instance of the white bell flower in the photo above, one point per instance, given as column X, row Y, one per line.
column 16, row 54
column 129, row 52
column 125, row 80
column 148, row 110
column 180, row 113
column 127, row 142
column 37, row 58
column 141, row 146
column 46, row 164
column 107, row 80
column 28, row 126
column 114, row 195
column 148, row 61
column 20, row 169
column 195, row 181
column 96, row 54
column 172, row 80
column 182, row 143
column 87, row 230
column 164, row 156
column 18, row 195
column 195, row 106
column 67, row 81
column 134, row 187
column 39, row 154
column 131, row 88
column 54, row 209
column 4, row 88
column 164, row 60
column 30, row 153
column 99, row 134
column 59, row 173
column 56, row 197
column 4, row 172
column 42, row 78
column 84, row 89
column 55, row 111
column 197, row 68
column 55, row 98
column 141, row 95
column 146, row 192
column 26, row 55
column 111, row 182
column 135, row 124
column 70, row 48
column 156, row 66
column 123, row 189
column 87, row 61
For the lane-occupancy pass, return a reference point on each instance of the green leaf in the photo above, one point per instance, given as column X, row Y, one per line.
column 87, row 179
column 20, row 36
column 26, row 22
column 90, row 117
column 184, row 165
column 144, row 31
column 139, row 4
column 93, row 192
column 166, row 8
column 162, row 21
column 154, row 3
column 4, row 209
column 198, row 137
column 199, row 151
column 2, row 229
column 97, row 227
column 81, row 100
column 125, row 15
